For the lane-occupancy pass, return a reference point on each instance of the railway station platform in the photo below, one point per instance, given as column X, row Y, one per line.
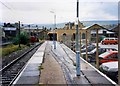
column 30, row 74
column 57, row 66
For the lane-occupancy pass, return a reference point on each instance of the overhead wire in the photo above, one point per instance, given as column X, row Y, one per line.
column 5, row 5
column 12, row 14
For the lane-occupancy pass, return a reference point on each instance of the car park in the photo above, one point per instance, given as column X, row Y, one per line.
column 83, row 47
column 108, row 56
column 89, row 48
column 92, row 54
column 110, row 69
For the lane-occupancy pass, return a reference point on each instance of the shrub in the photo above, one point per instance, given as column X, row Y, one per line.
column 40, row 67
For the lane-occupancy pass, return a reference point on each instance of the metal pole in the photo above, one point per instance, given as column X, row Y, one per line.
column 65, row 36
column 97, row 58
column 119, row 43
column 19, row 32
column 54, row 42
column 119, row 57
column 69, row 25
column 37, row 30
column 77, row 46
column 80, row 45
column 86, row 47
column 29, row 30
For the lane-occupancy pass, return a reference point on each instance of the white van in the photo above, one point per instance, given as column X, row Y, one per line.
column 110, row 41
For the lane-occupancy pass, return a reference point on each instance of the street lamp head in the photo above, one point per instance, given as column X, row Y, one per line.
column 52, row 12
column 28, row 25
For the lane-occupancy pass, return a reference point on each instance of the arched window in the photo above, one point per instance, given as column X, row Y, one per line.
column 64, row 34
column 83, row 35
column 73, row 36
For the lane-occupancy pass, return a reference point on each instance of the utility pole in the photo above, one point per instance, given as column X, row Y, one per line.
column 80, row 44
column 77, row 46
column 29, row 31
column 119, row 55
column 54, row 42
column 37, row 30
column 54, row 36
column 86, row 46
column 97, row 58
column 19, row 32
column 119, row 44
column 69, row 25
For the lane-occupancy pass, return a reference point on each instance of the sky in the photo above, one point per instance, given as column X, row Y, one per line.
column 39, row 11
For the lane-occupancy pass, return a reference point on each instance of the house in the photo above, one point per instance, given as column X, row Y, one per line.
column 103, row 32
column 115, row 30
column 10, row 29
column 68, row 34
column 37, row 32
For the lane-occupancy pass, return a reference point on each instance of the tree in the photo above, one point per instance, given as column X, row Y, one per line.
column 24, row 38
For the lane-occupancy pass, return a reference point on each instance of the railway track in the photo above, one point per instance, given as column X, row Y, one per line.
column 13, row 69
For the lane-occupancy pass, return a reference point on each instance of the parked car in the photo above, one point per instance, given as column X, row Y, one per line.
column 84, row 45
column 92, row 54
column 110, row 69
column 108, row 56
column 110, row 41
column 90, row 47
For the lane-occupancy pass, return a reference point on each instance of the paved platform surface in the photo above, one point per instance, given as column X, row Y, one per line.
column 92, row 75
column 51, row 72
column 89, row 74
column 58, row 67
column 30, row 74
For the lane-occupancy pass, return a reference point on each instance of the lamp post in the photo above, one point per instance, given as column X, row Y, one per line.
column 86, row 46
column 29, row 30
column 54, row 43
column 119, row 44
column 97, row 59
column 37, row 30
column 119, row 54
column 19, row 33
column 77, row 46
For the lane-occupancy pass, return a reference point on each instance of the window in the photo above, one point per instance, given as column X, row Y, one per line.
column 64, row 34
column 105, row 54
column 114, row 56
column 83, row 35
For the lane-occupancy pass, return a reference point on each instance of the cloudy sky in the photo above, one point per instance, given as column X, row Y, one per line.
column 38, row 11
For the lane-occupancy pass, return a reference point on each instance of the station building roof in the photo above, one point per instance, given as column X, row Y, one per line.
column 93, row 27
column 10, row 28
